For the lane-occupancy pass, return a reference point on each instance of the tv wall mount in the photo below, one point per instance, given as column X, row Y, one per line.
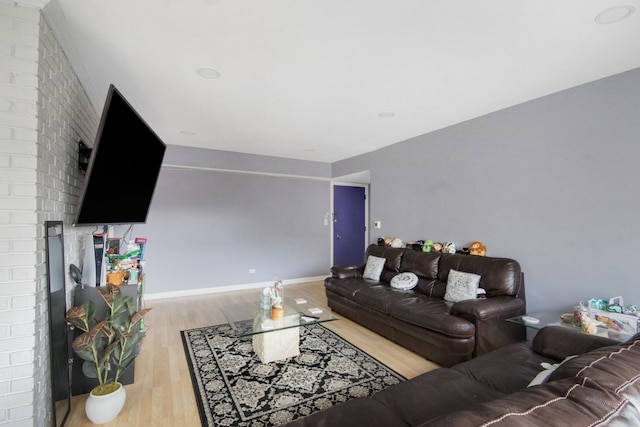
column 84, row 154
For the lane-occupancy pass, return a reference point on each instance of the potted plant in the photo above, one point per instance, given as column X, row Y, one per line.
column 107, row 346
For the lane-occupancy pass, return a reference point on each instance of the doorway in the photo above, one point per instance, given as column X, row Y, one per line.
column 349, row 225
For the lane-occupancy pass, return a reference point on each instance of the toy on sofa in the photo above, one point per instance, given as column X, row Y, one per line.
column 449, row 248
column 477, row 248
column 396, row 243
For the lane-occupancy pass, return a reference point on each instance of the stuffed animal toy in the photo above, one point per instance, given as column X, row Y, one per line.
column 437, row 247
column 397, row 243
column 477, row 248
column 428, row 246
column 449, row 248
column 588, row 325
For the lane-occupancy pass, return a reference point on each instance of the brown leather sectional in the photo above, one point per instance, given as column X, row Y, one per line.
column 420, row 319
column 599, row 387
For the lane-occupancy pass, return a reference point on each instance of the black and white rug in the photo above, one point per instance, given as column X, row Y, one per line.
column 233, row 388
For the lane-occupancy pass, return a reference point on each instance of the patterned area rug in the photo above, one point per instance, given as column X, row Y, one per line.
column 233, row 388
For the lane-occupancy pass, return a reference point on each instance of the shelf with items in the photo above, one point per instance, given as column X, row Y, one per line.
column 126, row 268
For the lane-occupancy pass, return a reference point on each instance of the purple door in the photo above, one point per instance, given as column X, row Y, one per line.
column 348, row 225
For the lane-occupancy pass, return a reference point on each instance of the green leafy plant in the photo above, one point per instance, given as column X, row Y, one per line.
column 109, row 343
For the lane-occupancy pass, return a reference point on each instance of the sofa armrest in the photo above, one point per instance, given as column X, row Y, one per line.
column 347, row 271
column 488, row 308
column 489, row 317
column 557, row 342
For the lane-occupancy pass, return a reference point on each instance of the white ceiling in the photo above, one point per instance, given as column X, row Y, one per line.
column 308, row 79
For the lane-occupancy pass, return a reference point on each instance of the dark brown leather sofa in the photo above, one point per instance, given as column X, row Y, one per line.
column 599, row 387
column 420, row 319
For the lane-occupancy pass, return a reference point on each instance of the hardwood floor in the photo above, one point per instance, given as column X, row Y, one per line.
column 162, row 394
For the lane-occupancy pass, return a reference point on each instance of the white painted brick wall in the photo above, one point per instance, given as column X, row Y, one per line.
column 44, row 111
column 16, row 351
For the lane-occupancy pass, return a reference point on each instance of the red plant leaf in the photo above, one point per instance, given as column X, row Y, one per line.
column 139, row 315
column 82, row 342
column 76, row 313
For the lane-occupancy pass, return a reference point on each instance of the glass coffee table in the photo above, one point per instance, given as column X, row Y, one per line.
column 274, row 339
column 552, row 318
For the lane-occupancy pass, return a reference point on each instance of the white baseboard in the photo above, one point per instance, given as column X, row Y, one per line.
column 231, row 288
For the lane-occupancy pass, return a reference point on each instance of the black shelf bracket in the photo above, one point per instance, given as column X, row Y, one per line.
column 84, row 153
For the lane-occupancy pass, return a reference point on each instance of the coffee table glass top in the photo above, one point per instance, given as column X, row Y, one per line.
column 552, row 318
column 248, row 318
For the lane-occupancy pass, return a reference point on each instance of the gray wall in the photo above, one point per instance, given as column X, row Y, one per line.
column 552, row 183
column 207, row 228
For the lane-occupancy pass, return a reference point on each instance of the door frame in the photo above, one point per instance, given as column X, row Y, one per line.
column 366, row 214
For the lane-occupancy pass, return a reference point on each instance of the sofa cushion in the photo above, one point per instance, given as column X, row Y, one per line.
column 499, row 276
column 461, row 286
column 393, row 256
column 432, row 314
column 373, row 267
column 432, row 288
column 424, row 264
column 548, row 369
column 348, row 287
column 568, row 402
column 379, row 298
column 557, row 342
column 430, row 395
column 613, row 367
column 361, row 411
column 489, row 369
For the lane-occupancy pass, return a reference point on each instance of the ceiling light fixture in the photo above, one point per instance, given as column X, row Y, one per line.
column 386, row 115
column 615, row 14
column 187, row 132
column 208, row 73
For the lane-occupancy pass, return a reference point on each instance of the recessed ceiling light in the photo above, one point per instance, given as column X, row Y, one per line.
column 208, row 73
column 615, row 14
column 386, row 115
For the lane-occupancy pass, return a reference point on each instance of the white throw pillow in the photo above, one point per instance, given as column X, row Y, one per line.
column 374, row 267
column 404, row 281
column 461, row 286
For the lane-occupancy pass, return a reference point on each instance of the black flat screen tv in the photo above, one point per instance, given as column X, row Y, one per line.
column 123, row 168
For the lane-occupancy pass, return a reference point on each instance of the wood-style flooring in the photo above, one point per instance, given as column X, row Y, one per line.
column 162, row 394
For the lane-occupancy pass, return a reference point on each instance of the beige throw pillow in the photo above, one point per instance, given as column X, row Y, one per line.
column 461, row 286
column 374, row 267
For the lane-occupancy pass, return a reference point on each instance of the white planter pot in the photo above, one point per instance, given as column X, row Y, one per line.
column 102, row 409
